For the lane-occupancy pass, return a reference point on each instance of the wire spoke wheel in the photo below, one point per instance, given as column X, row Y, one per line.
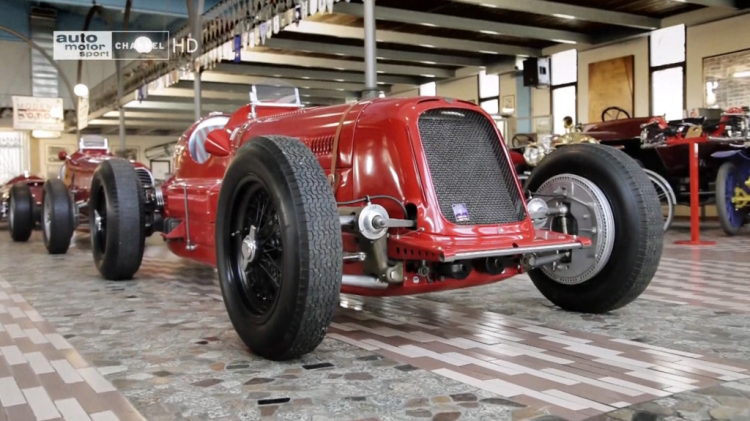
column 99, row 232
column 614, row 113
column 257, row 246
column 666, row 195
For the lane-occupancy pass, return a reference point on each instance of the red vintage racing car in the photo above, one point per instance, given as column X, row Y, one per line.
column 20, row 203
column 382, row 197
column 64, row 200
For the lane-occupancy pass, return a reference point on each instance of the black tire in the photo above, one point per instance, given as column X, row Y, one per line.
column 304, row 282
column 639, row 233
column 731, row 224
column 20, row 212
column 117, row 219
column 58, row 217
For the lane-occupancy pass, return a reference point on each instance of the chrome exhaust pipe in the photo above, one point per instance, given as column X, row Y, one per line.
column 361, row 281
column 728, row 139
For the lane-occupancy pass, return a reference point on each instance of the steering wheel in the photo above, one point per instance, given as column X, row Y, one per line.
column 614, row 113
column 520, row 141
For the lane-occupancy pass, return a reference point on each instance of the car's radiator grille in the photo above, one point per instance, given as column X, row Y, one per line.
column 145, row 177
column 472, row 178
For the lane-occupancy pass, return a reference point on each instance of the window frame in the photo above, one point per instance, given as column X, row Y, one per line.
column 653, row 69
column 481, row 99
column 553, row 88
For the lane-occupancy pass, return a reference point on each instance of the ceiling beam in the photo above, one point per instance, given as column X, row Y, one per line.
column 342, row 31
column 359, row 51
column 244, row 79
column 464, row 24
column 225, row 87
column 358, row 66
column 131, row 124
column 334, row 76
column 732, row 4
column 569, row 11
column 172, row 105
column 150, row 115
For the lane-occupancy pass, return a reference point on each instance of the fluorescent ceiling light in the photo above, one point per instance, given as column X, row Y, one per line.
column 45, row 134
column 427, row 45
column 564, row 41
column 488, row 52
column 488, row 32
column 742, row 74
column 428, row 24
column 562, row 16
column 427, row 75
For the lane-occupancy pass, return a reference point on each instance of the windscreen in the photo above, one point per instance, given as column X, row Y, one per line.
column 279, row 95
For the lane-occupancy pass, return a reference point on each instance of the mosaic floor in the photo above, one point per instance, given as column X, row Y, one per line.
column 74, row 347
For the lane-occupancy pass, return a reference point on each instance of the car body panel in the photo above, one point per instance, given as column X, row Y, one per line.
column 379, row 153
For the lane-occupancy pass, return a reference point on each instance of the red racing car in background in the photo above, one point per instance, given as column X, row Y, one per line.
column 381, row 197
column 64, row 200
column 20, row 203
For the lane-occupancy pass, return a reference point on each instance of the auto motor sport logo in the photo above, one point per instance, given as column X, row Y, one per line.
column 111, row 45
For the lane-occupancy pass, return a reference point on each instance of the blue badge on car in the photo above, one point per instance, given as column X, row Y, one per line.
column 460, row 212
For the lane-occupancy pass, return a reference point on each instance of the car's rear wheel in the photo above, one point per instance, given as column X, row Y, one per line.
column 117, row 220
column 58, row 217
column 279, row 249
column 610, row 200
column 21, row 212
column 667, row 197
column 728, row 179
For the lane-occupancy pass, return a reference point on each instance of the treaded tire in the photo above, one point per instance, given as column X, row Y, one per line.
column 721, row 193
column 20, row 212
column 118, row 237
column 58, row 217
column 639, row 233
column 312, row 250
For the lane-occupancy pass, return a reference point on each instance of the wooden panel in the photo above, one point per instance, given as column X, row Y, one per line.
column 611, row 84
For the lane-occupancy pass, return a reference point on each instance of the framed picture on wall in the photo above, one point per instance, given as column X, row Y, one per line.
column 161, row 169
column 53, row 170
column 508, row 105
column 53, row 153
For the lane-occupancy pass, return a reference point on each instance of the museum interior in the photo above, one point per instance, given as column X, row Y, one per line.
column 374, row 210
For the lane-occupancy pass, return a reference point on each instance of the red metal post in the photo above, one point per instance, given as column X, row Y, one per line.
column 695, row 223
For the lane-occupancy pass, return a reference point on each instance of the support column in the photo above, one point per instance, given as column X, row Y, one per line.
column 371, row 57
column 198, row 36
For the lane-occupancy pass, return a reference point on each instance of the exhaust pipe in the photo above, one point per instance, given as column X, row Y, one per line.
column 728, row 139
column 361, row 281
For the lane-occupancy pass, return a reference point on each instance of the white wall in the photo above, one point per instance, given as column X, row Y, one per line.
column 541, row 105
column 15, row 71
column 708, row 40
column 465, row 88
column 638, row 48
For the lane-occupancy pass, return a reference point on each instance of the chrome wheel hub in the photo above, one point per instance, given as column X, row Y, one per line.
column 97, row 221
column 11, row 214
column 47, row 217
column 587, row 204
column 249, row 248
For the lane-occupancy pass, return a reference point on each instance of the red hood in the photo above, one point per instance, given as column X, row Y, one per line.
column 24, row 178
column 616, row 129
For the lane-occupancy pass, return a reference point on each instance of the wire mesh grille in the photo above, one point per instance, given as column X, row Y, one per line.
column 473, row 180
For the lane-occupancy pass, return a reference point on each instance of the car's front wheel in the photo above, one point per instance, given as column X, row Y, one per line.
column 608, row 198
column 279, row 249
column 117, row 220
column 58, row 217
column 20, row 212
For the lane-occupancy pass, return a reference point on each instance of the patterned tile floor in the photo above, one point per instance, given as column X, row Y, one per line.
column 163, row 341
